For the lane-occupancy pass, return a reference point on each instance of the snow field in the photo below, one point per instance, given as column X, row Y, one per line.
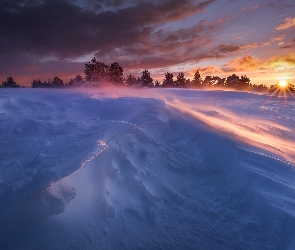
column 85, row 170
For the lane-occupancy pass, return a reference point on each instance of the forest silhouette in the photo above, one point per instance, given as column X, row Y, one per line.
column 100, row 74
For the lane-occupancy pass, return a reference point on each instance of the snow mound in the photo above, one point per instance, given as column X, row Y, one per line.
column 154, row 169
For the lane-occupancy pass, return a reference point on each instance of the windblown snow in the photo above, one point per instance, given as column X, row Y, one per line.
column 146, row 169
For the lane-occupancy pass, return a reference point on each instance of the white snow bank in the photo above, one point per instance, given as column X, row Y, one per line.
column 150, row 169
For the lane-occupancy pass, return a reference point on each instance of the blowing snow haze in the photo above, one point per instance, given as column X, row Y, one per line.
column 43, row 39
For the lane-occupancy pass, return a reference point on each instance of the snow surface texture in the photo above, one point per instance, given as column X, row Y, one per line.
column 147, row 169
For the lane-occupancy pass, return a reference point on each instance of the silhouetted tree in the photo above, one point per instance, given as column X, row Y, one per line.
column 290, row 87
column 130, row 80
column 220, row 82
column 116, row 73
column 77, row 81
column 212, row 81
column 244, row 82
column 37, row 84
column 138, row 82
column 96, row 72
column 180, row 80
column 9, row 83
column 232, row 81
column 208, row 81
column 197, row 80
column 157, row 84
column 168, row 81
column 188, row 83
column 47, row 84
column 259, row 88
column 57, row 82
column 145, row 79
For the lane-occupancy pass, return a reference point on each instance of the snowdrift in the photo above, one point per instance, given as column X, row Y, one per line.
column 146, row 169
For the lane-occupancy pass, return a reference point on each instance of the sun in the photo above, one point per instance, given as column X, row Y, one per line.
column 282, row 83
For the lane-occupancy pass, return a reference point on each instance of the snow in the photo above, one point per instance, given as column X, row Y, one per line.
column 146, row 169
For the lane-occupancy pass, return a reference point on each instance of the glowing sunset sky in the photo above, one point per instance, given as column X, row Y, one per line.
column 47, row 38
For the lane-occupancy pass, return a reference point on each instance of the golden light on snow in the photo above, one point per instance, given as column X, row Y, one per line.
column 253, row 131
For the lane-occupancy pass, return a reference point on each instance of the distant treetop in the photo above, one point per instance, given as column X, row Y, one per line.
column 9, row 83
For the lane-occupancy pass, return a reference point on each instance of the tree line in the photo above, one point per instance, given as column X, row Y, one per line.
column 100, row 74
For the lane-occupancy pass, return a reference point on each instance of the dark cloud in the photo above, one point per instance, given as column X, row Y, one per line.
column 67, row 30
column 31, row 30
column 225, row 48
column 287, row 47
column 182, row 34
column 290, row 45
column 35, row 32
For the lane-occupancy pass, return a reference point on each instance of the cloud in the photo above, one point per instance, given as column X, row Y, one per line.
column 277, row 38
column 241, row 63
column 265, row 44
column 288, row 23
column 126, row 31
column 210, row 70
column 168, row 47
column 289, row 45
column 227, row 48
column 221, row 20
column 249, row 63
column 67, row 30
column 249, row 46
column 35, row 35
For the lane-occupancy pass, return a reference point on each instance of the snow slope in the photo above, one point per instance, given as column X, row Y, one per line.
column 146, row 169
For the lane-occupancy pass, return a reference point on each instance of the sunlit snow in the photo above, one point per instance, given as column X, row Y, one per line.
column 146, row 169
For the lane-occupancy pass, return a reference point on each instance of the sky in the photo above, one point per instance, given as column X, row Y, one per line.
column 41, row 39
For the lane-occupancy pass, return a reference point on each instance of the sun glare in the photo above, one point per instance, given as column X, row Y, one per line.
column 283, row 83
column 282, row 89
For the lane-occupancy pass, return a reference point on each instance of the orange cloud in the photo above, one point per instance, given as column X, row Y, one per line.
column 211, row 70
column 249, row 46
column 278, row 38
column 251, row 63
column 288, row 62
column 242, row 63
column 265, row 44
column 289, row 22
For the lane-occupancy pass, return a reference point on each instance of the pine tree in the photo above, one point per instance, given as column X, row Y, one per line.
column 116, row 74
column 57, row 82
column 10, row 83
column 244, row 82
column 197, row 80
column 145, row 79
column 130, row 80
column 232, row 81
column 168, row 81
column 77, row 81
column 37, row 84
column 96, row 72
column 157, row 84
column 180, row 81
